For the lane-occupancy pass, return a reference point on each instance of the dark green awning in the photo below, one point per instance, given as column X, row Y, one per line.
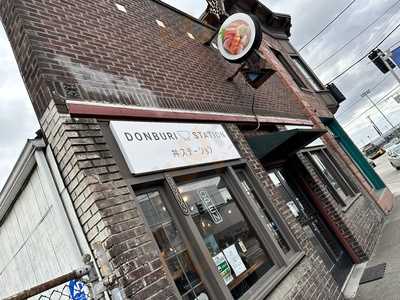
column 281, row 144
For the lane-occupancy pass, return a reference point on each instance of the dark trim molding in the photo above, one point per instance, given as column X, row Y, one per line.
column 111, row 111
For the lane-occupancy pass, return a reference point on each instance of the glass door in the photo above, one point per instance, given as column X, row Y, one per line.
column 231, row 241
column 334, row 256
column 215, row 236
column 173, row 251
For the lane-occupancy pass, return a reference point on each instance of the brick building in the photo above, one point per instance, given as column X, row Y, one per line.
column 187, row 184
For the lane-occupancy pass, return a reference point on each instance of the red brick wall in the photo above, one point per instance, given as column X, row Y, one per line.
column 87, row 49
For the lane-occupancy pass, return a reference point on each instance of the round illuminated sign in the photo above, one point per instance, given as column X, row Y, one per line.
column 238, row 37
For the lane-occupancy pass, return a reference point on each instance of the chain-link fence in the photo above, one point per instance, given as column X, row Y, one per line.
column 76, row 285
column 74, row 289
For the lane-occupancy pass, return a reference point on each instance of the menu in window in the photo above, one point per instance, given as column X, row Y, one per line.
column 223, row 267
column 234, row 260
column 293, row 208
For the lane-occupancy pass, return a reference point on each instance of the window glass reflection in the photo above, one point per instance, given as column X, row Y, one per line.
column 276, row 233
column 275, row 180
column 232, row 243
column 173, row 251
column 307, row 73
column 329, row 175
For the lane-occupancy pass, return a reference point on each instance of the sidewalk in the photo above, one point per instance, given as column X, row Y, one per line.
column 387, row 251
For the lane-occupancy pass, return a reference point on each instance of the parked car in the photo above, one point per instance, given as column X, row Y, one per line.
column 392, row 142
column 373, row 151
column 371, row 162
column 394, row 156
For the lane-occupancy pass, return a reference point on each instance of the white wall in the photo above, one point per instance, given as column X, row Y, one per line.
column 36, row 243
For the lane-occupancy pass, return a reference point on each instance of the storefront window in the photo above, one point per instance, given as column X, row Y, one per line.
column 314, row 82
column 333, row 176
column 174, row 254
column 231, row 241
column 276, row 233
column 296, row 78
column 328, row 175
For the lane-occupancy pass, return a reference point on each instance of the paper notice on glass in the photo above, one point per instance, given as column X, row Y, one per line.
column 234, row 260
column 293, row 208
column 223, row 267
column 202, row 296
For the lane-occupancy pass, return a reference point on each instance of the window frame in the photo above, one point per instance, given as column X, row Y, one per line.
column 308, row 74
column 349, row 188
column 194, row 243
column 288, row 67
column 271, row 210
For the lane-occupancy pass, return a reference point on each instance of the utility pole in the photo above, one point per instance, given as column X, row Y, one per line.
column 385, row 58
column 366, row 94
column 375, row 126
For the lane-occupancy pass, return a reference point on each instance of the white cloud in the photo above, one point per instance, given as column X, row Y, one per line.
column 17, row 119
column 308, row 17
column 191, row 7
column 18, row 122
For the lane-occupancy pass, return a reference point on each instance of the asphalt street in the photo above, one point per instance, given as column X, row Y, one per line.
column 390, row 175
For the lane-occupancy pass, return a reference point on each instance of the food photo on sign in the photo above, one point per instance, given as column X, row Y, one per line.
column 239, row 36
column 239, row 39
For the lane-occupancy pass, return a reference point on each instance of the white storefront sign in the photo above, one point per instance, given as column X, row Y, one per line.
column 150, row 147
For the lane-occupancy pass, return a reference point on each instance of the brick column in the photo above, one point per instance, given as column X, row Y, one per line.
column 106, row 207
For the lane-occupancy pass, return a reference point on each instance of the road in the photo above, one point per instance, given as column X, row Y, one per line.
column 390, row 175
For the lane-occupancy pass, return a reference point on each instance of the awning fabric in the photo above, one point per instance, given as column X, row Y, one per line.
column 281, row 144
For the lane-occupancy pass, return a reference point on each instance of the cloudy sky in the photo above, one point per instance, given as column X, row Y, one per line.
column 17, row 120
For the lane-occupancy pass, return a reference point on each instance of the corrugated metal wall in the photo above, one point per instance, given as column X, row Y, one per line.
column 35, row 244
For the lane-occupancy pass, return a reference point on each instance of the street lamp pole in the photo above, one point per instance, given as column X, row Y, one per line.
column 366, row 94
column 375, row 126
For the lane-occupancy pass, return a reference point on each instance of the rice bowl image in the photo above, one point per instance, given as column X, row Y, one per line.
column 236, row 36
column 239, row 34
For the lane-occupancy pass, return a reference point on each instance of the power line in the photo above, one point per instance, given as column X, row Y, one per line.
column 387, row 36
column 329, row 24
column 348, row 68
column 389, row 21
column 355, row 37
column 391, row 47
column 384, row 98
column 359, row 100
column 364, row 56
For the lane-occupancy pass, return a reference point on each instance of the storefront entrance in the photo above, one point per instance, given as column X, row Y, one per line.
column 216, row 235
column 333, row 254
